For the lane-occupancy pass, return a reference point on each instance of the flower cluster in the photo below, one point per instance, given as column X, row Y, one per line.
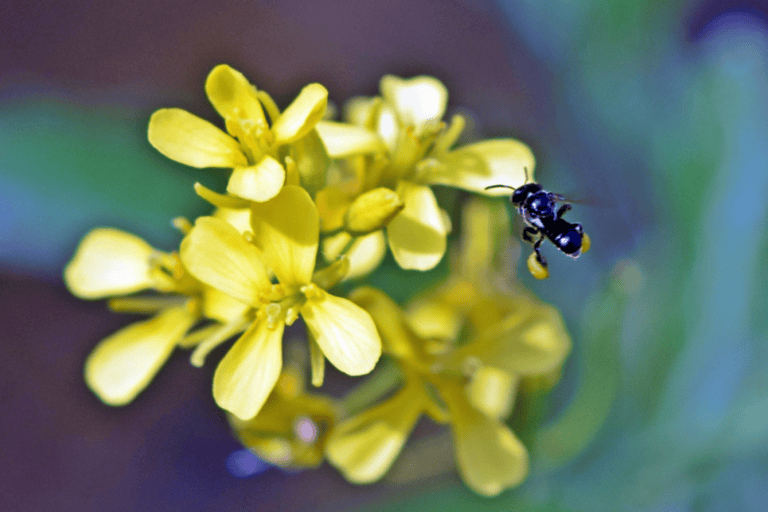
column 312, row 203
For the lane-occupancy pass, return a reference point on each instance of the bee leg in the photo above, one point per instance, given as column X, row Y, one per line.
column 536, row 237
column 562, row 210
column 537, row 250
column 529, row 233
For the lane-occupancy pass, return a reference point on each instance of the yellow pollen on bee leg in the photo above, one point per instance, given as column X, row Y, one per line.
column 586, row 243
column 536, row 269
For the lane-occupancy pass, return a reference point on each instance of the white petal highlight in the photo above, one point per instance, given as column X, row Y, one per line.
column 418, row 101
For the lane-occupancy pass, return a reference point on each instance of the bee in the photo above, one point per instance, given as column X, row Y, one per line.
column 544, row 220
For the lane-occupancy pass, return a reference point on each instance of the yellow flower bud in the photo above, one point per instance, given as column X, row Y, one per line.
column 372, row 211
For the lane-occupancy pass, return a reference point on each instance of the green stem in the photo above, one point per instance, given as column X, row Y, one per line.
column 383, row 380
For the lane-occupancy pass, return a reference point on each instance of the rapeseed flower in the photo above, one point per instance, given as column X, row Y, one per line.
column 285, row 240
column 301, row 187
column 291, row 428
column 471, row 387
column 412, row 152
column 112, row 263
column 259, row 152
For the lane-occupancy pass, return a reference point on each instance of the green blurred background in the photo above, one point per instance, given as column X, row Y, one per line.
column 656, row 112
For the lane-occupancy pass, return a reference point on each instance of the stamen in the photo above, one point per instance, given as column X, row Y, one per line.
column 182, row 224
column 145, row 304
column 311, row 291
column 195, row 337
column 273, row 311
column 291, row 314
column 216, row 338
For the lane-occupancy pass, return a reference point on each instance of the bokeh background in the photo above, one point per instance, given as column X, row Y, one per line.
column 656, row 112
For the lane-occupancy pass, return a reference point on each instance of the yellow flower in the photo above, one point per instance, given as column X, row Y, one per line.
column 476, row 382
column 284, row 239
column 258, row 151
column 109, row 262
column 291, row 428
column 412, row 152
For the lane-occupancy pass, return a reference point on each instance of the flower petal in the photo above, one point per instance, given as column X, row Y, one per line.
column 311, row 161
column 529, row 341
column 433, row 320
column 397, row 337
column 343, row 140
column 486, row 163
column 345, row 332
column 364, row 447
column 417, row 100
column 109, row 262
column 239, row 218
column 489, row 456
column 218, row 255
column 302, row 115
column 260, row 182
column 221, row 306
column 332, row 205
column 286, row 229
column 366, row 254
column 360, row 111
column 122, row 365
column 192, row 141
column 492, row 391
column 417, row 235
column 247, row 374
column 233, row 96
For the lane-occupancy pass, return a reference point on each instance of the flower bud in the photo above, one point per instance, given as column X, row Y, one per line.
column 372, row 211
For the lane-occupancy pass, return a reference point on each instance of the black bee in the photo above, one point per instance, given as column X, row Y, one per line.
column 537, row 207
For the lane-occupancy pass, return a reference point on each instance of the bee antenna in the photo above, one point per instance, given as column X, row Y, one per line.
column 498, row 186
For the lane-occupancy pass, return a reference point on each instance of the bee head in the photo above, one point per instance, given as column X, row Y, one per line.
column 523, row 192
